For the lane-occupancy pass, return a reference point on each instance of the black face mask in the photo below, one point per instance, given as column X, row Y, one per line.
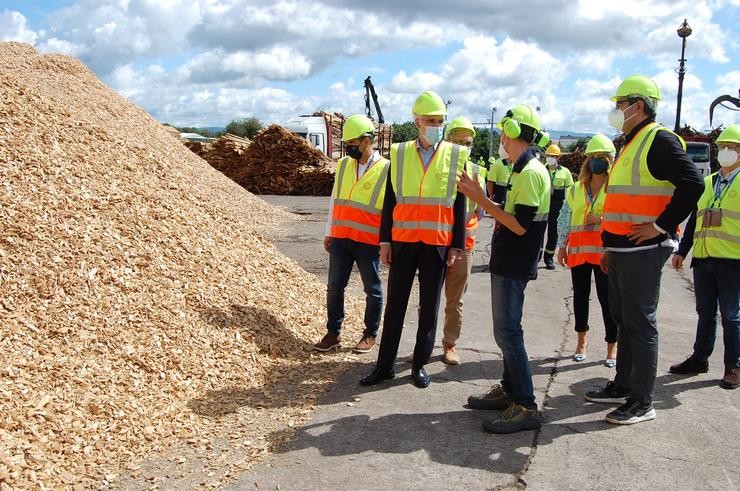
column 354, row 151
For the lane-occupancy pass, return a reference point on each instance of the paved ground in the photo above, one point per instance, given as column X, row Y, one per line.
column 395, row 436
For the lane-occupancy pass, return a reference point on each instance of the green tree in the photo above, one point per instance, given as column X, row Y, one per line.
column 481, row 143
column 404, row 132
column 246, row 127
column 581, row 143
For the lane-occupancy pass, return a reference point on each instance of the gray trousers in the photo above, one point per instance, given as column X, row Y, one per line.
column 634, row 290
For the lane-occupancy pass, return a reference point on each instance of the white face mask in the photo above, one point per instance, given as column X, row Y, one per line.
column 502, row 151
column 551, row 161
column 616, row 117
column 727, row 157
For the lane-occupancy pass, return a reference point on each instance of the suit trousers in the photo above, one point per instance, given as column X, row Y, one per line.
column 407, row 258
column 456, row 284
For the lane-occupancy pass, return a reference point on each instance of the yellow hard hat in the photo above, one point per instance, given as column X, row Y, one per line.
column 636, row 86
column 429, row 104
column 600, row 143
column 731, row 134
column 459, row 123
column 553, row 151
column 356, row 126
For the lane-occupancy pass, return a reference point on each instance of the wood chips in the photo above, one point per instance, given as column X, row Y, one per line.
column 142, row 315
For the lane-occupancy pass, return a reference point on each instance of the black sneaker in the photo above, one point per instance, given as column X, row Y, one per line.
column 631, row 412
column 690, row 366
column 611, row 394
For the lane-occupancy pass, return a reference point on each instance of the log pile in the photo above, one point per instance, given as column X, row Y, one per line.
column 573, row 161
column 280, row 162
column 226, row 154
column 142, row 315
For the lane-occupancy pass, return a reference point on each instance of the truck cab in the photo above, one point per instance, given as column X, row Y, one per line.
column 701, row 154
column 310, row 128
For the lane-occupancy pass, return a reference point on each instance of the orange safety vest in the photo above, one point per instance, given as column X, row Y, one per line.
column 633, row 195
column 584, row 241
column 478, row 174
column 358, row 202
column 425, row 197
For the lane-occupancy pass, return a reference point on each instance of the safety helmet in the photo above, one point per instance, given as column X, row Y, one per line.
column 429, row 104
column 731, row 134
column 553, row 151
column 637, row 86
column 521, row 114
column 356, row 126
column 459, row 123
column 600, row 143
column 543, row 141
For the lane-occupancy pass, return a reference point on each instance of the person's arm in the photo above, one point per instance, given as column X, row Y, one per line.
column 386, row 215
column 668, row 161
column 687, row 240
column 458, row 228
column 564, row 224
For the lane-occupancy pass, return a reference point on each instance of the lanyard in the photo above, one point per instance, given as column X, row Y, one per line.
column 719, row 195
column 590, row 199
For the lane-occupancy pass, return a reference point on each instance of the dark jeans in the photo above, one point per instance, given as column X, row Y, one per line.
column 507, row 302
column 581, row 276
column 552, row 226
column 406, row 259
column 634, row 291
column 343, row 253
column 717, row 282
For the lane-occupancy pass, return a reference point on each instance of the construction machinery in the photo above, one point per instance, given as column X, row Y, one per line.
column 370, row 93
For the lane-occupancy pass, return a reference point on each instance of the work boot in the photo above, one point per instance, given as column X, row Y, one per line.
column 450, row 356
column 495, row 399
column 328, row 342
column 732, row 379
column 549, row 262
column 515, row 418
column 365, row 345
column 690, row 366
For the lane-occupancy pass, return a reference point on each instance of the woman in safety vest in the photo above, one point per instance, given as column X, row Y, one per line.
column 580, row 246
column 714, row 232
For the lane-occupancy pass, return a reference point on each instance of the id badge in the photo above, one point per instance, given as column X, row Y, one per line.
column 713, row 217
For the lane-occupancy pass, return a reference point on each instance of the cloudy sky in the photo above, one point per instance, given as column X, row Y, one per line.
column 206, row 62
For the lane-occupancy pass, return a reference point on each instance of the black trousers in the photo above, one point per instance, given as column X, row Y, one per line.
column 552, row 226
column 581, row 276
column 406, row 259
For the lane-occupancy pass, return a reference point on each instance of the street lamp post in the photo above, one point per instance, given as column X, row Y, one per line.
column 490, row 139
column 683, row 31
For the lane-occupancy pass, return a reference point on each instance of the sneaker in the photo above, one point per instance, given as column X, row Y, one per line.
column 365, row 344
column 328, row 342
column 631, row 412
column 515, row 418
column 495, row 399
column 731, row 379
column 690, row 366
column 450, row 356
column 611, row 394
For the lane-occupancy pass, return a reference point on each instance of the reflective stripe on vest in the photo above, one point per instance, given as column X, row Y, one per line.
column 584, row 241
column 425, row 197
column 471, row 220
column 358, row 203
column 723, row 241
column 633, row 195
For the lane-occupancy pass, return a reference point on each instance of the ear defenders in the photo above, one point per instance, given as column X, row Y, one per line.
column 513, row 129
column 510, row 126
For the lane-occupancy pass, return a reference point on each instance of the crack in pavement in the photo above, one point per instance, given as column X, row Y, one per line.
column 520, row 481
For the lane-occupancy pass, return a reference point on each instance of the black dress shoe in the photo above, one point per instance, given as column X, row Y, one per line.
column 377, row 376
column 421, row 378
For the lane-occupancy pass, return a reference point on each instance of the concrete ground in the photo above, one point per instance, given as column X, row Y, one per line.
column 395, row 436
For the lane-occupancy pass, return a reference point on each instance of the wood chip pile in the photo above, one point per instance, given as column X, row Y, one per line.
column 280, row 162
column 226, row 154
column 140, row 309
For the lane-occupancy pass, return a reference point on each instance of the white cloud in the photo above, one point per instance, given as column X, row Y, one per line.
column 13, row 27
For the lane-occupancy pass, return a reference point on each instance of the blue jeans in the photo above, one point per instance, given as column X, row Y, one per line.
column 343, row 254
column 717, row 282
column 507, row 301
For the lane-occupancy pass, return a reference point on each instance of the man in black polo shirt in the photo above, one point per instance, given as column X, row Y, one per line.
column 518, row 238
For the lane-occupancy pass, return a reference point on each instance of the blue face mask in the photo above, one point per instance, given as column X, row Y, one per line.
column 598, row 166
column 433, row 134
